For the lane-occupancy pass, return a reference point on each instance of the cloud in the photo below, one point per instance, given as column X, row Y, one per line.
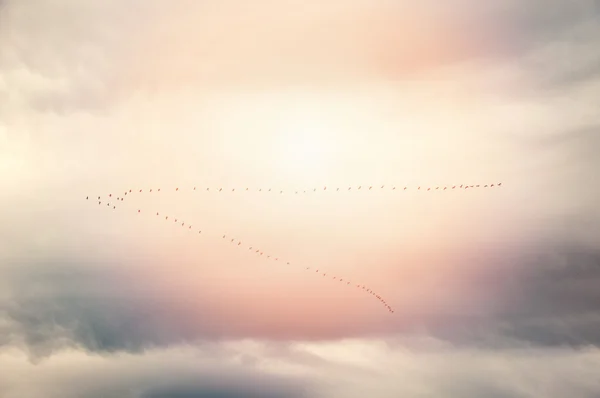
column 51, row 307
column 121, row 51
column 202, row 392
column 548, row 298
column 349, row 368
column 183, row 371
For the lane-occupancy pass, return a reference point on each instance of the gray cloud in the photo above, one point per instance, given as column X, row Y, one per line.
column 351, row 369
column 64, row 55
column 182, row 391
column 185, row 371
column 548, row 298
column 553, row 43
column 56, row 306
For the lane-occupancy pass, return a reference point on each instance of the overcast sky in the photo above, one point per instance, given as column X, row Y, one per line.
column 495, row 291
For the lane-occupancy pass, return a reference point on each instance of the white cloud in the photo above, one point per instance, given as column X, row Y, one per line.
column 411, row 369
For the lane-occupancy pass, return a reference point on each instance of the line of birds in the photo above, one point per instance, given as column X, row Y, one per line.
column 303, row 191
column 259, row 252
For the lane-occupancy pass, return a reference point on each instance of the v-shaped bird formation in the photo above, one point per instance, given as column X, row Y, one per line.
column 111, row 201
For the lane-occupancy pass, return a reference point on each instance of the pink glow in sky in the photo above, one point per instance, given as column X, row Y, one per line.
column 103, row 97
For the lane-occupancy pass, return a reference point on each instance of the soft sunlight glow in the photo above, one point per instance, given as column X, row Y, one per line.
column 305, row 151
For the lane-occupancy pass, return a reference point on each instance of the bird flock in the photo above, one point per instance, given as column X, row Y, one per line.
column 111, row 201
column 325, row 188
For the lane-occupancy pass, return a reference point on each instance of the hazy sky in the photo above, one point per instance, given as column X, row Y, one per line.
column 496, row 291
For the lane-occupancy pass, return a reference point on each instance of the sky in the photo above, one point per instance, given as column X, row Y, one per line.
column 495, row 291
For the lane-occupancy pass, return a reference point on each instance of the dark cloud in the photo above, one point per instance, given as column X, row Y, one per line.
column 540, row 21
column 480, row 388
column 191, row 391
column 52, row 307
column 549, row 298
column 184, row 371
column 515, row 27
column 545, row 296
column 237, row 384
column 555, row 300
